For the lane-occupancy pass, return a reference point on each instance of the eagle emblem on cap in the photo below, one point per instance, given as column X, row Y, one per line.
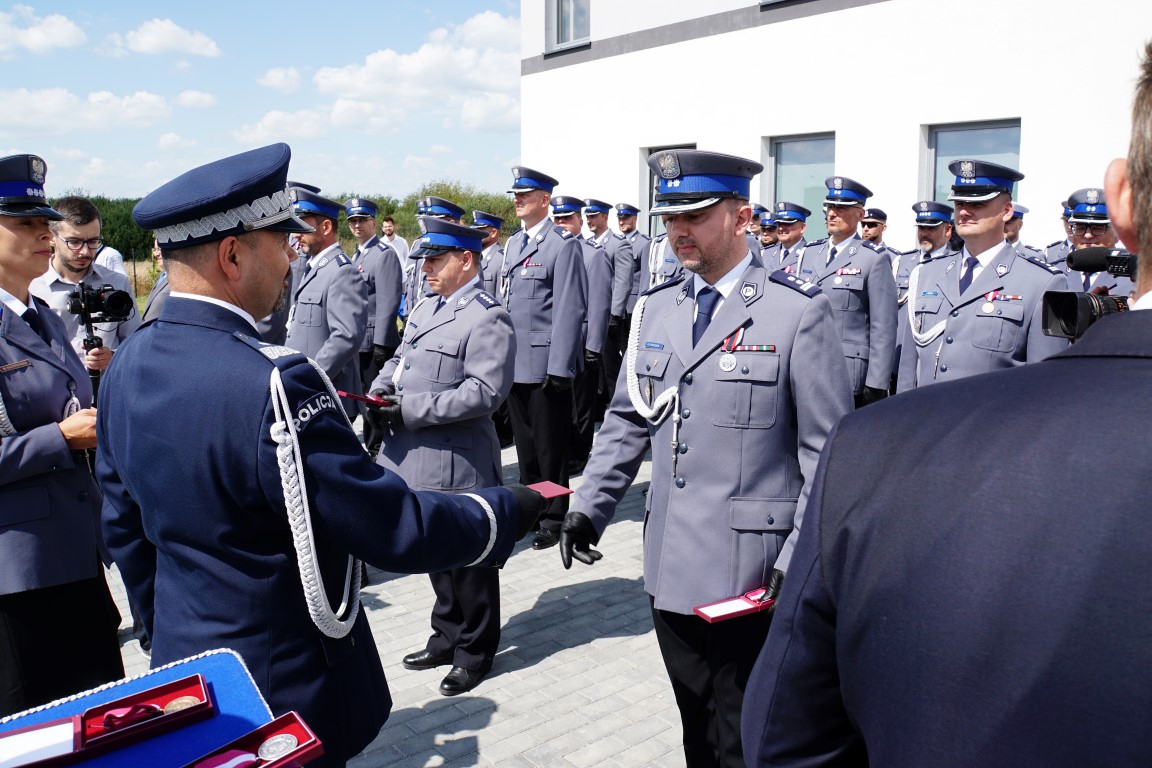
column 423, row 226
column 837, row 183
column 516, row 172
column 967, row 169
column 36, row 169
column 1092, row 196
column 669, row 165
column 924, row 206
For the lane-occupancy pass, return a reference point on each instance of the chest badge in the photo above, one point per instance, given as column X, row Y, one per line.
column 728, row 362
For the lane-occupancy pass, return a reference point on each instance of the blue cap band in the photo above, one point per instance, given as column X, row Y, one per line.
column 449, row 242
column 840, row 194
column 22, row 189
column 307, row 206
column 790, row 215
column 705, row 183
column 933, row 216
column 439, row 210
column 526, row 182
column 597, row 209
column 985, row 181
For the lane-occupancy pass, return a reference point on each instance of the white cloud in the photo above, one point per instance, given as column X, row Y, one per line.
column 465, row 76
column 23, row 30
column 172, row 140
column 41, row 111
column 195, row 99
column 284, row 126
column 162, row 36
column 439, row 149
column 283, row 79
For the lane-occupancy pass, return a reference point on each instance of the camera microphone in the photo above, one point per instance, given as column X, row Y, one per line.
column 1098, row 259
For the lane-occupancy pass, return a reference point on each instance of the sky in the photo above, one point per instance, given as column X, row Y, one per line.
column 374, row 98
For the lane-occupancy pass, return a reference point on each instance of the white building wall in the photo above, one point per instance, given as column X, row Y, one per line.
column 876, row 75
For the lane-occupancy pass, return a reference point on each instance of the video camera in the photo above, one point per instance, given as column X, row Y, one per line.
column 100, row 305
column 1068, row 314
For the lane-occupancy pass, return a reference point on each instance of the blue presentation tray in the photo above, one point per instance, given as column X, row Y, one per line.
column 239, row 709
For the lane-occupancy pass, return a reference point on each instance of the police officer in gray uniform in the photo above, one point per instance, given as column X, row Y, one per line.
column 625, row 269
column 329, row 316
column 626, row 214
column 1056, row 253
column 415, row 288
column 544, row 288
column 454, row 367
column 791, row 221
column 586, row 388
column 379, row 265
column 492, row 255
column 980, row 309
column 857, row 277
column 1092, row 228
column 736, row 375
column 1012, row 233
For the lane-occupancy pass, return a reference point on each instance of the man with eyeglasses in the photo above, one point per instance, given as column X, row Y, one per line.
column 1091, row 227
column 75, row 242
column 979, row 309
column 768, row 235
column 873, row 226
column 791, row 221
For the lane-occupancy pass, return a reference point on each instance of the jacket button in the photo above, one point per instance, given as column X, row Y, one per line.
column 439, row 346
column 83, row 495
column 688, row 378
column 399, row 387
column 771, row 520
column 409, row 365
column 955, row 313
column 949, row 339
column 683, row 447
column 744, row 370
column 943, row 369
column 648, row 367
column 679, row 482
column 686, row 412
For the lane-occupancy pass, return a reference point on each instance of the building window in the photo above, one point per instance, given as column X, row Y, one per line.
column 796, row 169
column 656, row 223
column 568, row 24
column 998, row 142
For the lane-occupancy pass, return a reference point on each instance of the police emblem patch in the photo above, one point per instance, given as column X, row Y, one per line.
column 36, row 170
column 1092, row 196
column 748, row 290
column 923, row 206
column 967, row 169
column 682, row 295
column 837, row 183
column 669, row 165
column 1001, row 269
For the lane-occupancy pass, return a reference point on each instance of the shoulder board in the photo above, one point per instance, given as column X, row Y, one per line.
column 280, row 356
column 618, row 237
column 821, row 241
column 870, row 244
column 805, row 287
column 1053, row 245
column 341, row 260
column 564, row 233
column 1040, row 263
column 909, row 253
column 486, row 300
column 1033, row 248
column 674, row 281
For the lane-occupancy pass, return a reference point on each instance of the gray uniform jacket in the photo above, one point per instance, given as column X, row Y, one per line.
column 49, row 503
column 490, row 260
column 970, row 333
column 732, row 469
column 54, row 290
column 328, row 321
column 658, row 258
column 546, row 295
column 624, row 268
column 455, row 368
column 639, row 244
column 1057, row 253
column 772, row 256
column 379, row 265
column 859, row 284
column 598, row 269
column 1117, row 285
column 274, row 328
column 156, row 297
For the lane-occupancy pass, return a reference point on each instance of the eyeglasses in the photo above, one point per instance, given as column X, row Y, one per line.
column 1099, row 230
column 870, row 224
column 74, row 244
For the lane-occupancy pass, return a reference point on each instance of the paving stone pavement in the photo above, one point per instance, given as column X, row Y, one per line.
column 578, row 680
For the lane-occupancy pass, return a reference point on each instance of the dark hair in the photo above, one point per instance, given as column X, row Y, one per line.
column 1140, row 157
column 388, row 219
column 76, row 210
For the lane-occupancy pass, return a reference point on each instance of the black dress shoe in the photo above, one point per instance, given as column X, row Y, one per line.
column 545, row 538
column 460, row 680
column 424, row 660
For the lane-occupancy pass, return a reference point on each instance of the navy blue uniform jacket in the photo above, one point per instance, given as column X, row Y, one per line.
column 959, row 598
column 194, row 516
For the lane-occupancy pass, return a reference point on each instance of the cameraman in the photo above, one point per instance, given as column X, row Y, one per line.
column 75, row 242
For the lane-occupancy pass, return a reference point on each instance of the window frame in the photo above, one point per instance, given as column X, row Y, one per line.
column 930, row 141
column 553, row 15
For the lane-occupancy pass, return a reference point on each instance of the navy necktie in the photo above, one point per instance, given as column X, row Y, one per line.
column 32, row 317
column 831, row 256
column 705, row 304
column 969, row 269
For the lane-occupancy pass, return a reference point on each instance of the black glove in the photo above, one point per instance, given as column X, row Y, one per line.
column 870, row 395
column 591, row 358
column 531, row 504
column 577, row 535
column 383, row 415
column 775, row 583
column 557, row 384
column 380, row 355
column 615, row 321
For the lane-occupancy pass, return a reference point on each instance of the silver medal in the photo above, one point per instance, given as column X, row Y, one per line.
column 728, row 362
column 987, row 307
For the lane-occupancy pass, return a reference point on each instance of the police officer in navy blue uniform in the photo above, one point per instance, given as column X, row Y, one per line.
column 736, row 376
column 791, row 221
column 492, row 255
column 1092, row 228
column 979, row 309
column 857, row 276
column 329, row 316
column 57, row 618
column 586, row 388
column 544, row 288
column 454, row 367
column 241, row 534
